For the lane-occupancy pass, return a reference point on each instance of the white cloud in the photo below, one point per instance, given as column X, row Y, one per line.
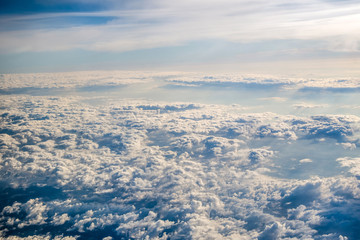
column 163, row 23
column 73, row 79
column 308, row 106
column 94, row 80
column 276, row 99
column 351, row 146
column 305, row 160
column 352, row 163
column 262, row 80
column 136, row 168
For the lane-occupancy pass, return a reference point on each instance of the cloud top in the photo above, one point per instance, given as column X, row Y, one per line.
column 145, row 169
column 88, row 79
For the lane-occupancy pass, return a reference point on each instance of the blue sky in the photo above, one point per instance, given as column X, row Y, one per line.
column 256, row 36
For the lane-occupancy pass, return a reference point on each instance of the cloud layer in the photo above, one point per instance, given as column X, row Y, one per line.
column 257, row 81
column 158, row 23
column 86, row 80
column 146, row 169
column 98, row 79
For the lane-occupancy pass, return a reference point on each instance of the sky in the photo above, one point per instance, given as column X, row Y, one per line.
column 319, row 36
column 218, row 120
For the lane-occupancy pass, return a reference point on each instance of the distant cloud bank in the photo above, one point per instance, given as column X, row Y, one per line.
column 180, row 79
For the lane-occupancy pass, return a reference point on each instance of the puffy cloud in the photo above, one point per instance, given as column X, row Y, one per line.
column 305, row 160
column 140, row 169
column 347, row 145
column 352, row 163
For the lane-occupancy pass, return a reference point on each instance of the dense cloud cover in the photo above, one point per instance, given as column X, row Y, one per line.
column 258, row 80
column 137, row 169
column 88, row 79
column 72, row 79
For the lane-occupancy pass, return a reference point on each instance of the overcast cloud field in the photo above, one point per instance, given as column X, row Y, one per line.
column 172, row 120
column 141, row 155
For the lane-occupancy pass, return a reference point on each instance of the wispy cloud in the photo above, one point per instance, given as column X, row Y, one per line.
column 161, row 23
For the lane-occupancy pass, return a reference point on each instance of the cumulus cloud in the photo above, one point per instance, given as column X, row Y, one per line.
column 305, row 160
column 148, row 169
column 353, row 164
